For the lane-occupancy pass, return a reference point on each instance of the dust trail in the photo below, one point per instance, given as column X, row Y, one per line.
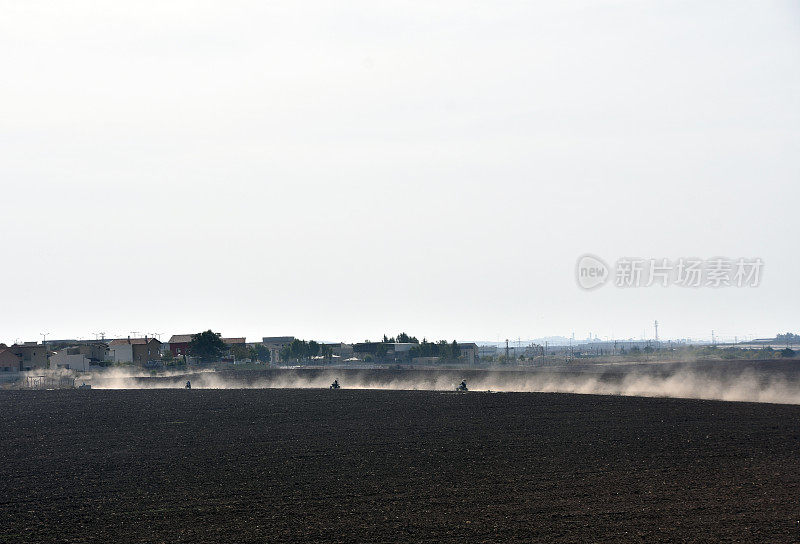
column 131, row 378
column 748, row 385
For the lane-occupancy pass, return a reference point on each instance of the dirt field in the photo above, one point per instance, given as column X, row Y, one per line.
column 386, row 466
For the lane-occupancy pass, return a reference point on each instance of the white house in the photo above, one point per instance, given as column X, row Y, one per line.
column 69, row 361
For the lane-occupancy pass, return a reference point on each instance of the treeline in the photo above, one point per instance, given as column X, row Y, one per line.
column 300, row 350
column 401, row 338
column 441, row 349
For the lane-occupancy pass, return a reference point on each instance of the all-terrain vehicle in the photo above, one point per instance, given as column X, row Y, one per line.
column 462, row 386
column 188, row 384
column 335, row 384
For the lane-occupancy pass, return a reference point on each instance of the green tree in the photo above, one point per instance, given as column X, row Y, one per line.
column 207, row 346
column 240, row 351
column 260, row 352
column 455, row 350
column 169, row 359
column 443, row 350
column 403, row 338
column 381, row 350
column 299, row 350
column 425, row 349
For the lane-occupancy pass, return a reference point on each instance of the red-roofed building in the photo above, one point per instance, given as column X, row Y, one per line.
column 179, row 344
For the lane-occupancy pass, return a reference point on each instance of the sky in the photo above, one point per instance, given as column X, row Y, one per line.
column 339, row 172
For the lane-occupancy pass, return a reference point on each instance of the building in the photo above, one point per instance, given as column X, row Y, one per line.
column 469, row 352
column 33, row 355
column 95, row 351
column 9, row 362
column 139, row 351
column 401, row 349
column 487, row 351
column 79, row 356
column 230, row 355
column 274, row 344
column 388, row 351
column 341, row 350
column 70, row 359
column 178, row 344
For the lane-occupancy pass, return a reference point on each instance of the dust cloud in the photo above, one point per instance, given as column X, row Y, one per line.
column 747, row 386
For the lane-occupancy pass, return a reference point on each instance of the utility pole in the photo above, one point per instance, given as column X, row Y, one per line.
column 44, row 345
column 656, row 326
column 506, row 349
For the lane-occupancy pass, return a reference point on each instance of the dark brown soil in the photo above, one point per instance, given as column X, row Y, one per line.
column 391, row 466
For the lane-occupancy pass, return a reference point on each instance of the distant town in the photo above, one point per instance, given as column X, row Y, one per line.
column 211, row 348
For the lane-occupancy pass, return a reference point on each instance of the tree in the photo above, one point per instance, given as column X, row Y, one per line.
column 207, row 346
column 381, row 350
column 455, row 350
column 240, row 351
column 403, row 338
column 425, row 349
column 300, row 349
column 789, row 338
column 260, row 352
column 168, row 358
column 443, row 350
column 787, row 352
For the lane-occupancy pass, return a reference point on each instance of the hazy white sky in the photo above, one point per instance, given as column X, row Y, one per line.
column 337, row 172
